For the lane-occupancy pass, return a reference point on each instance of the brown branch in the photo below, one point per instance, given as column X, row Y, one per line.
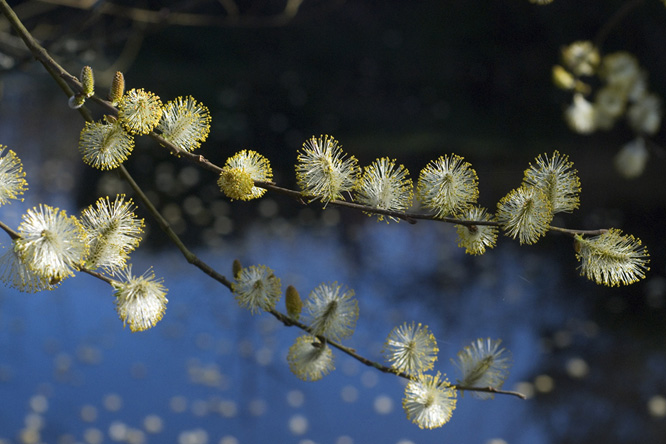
column 59, row 73
column 572, row 232
column 13, row 234
column 305, row 200
column 64, row 79
column 412, row 218
column 489, row 390
column 290, row 322
column 166, row 228
column 67, row 81
column 98, row 275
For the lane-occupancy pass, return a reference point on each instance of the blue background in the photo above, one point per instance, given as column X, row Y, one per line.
column 409, row 80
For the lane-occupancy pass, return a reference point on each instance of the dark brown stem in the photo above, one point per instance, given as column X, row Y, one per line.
column 13, row 234
column 572, row 232
column 65, row 79
column 290, row 322
column 489, row 390
column 98, row 275
column 166, row 228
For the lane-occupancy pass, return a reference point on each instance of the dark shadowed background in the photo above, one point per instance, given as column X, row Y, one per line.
column 407, row 79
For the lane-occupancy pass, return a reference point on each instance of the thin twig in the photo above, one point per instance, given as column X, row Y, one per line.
column 290, row 322
column 572, row 232
column 65, row 79
column 13, row 234
column 166, row 228
column 304, row 200
column 99, row 276
column 489, row 390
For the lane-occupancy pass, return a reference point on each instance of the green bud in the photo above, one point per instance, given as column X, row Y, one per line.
column 117, row 88
column 88, row 81
column 293, row 302
column 236, row 268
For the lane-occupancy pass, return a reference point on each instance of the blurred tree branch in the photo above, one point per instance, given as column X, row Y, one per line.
column 173, row 15
column 113, row 32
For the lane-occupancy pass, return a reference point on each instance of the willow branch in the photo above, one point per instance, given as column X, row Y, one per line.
column 489, row 390
column 410, row 217
column 572, row 232
column 13, row 234
column 173, row 237
column 64, row 79
column 290, row 322
column 98, row 275
column 60, row 75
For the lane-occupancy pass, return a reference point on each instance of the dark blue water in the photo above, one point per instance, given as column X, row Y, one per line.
column 211, row 370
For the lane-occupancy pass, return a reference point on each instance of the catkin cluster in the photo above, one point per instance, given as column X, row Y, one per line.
column 621, row 92
column 50, row 246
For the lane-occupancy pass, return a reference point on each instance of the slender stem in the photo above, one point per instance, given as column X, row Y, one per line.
column 64, row 79
column 164, row 225
column 179, row 152
column 572, row 233
column 299, row 197
column 98, row 275
column 59, row 74
column 489, row 390
column 13, row 234
column 289, row 322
